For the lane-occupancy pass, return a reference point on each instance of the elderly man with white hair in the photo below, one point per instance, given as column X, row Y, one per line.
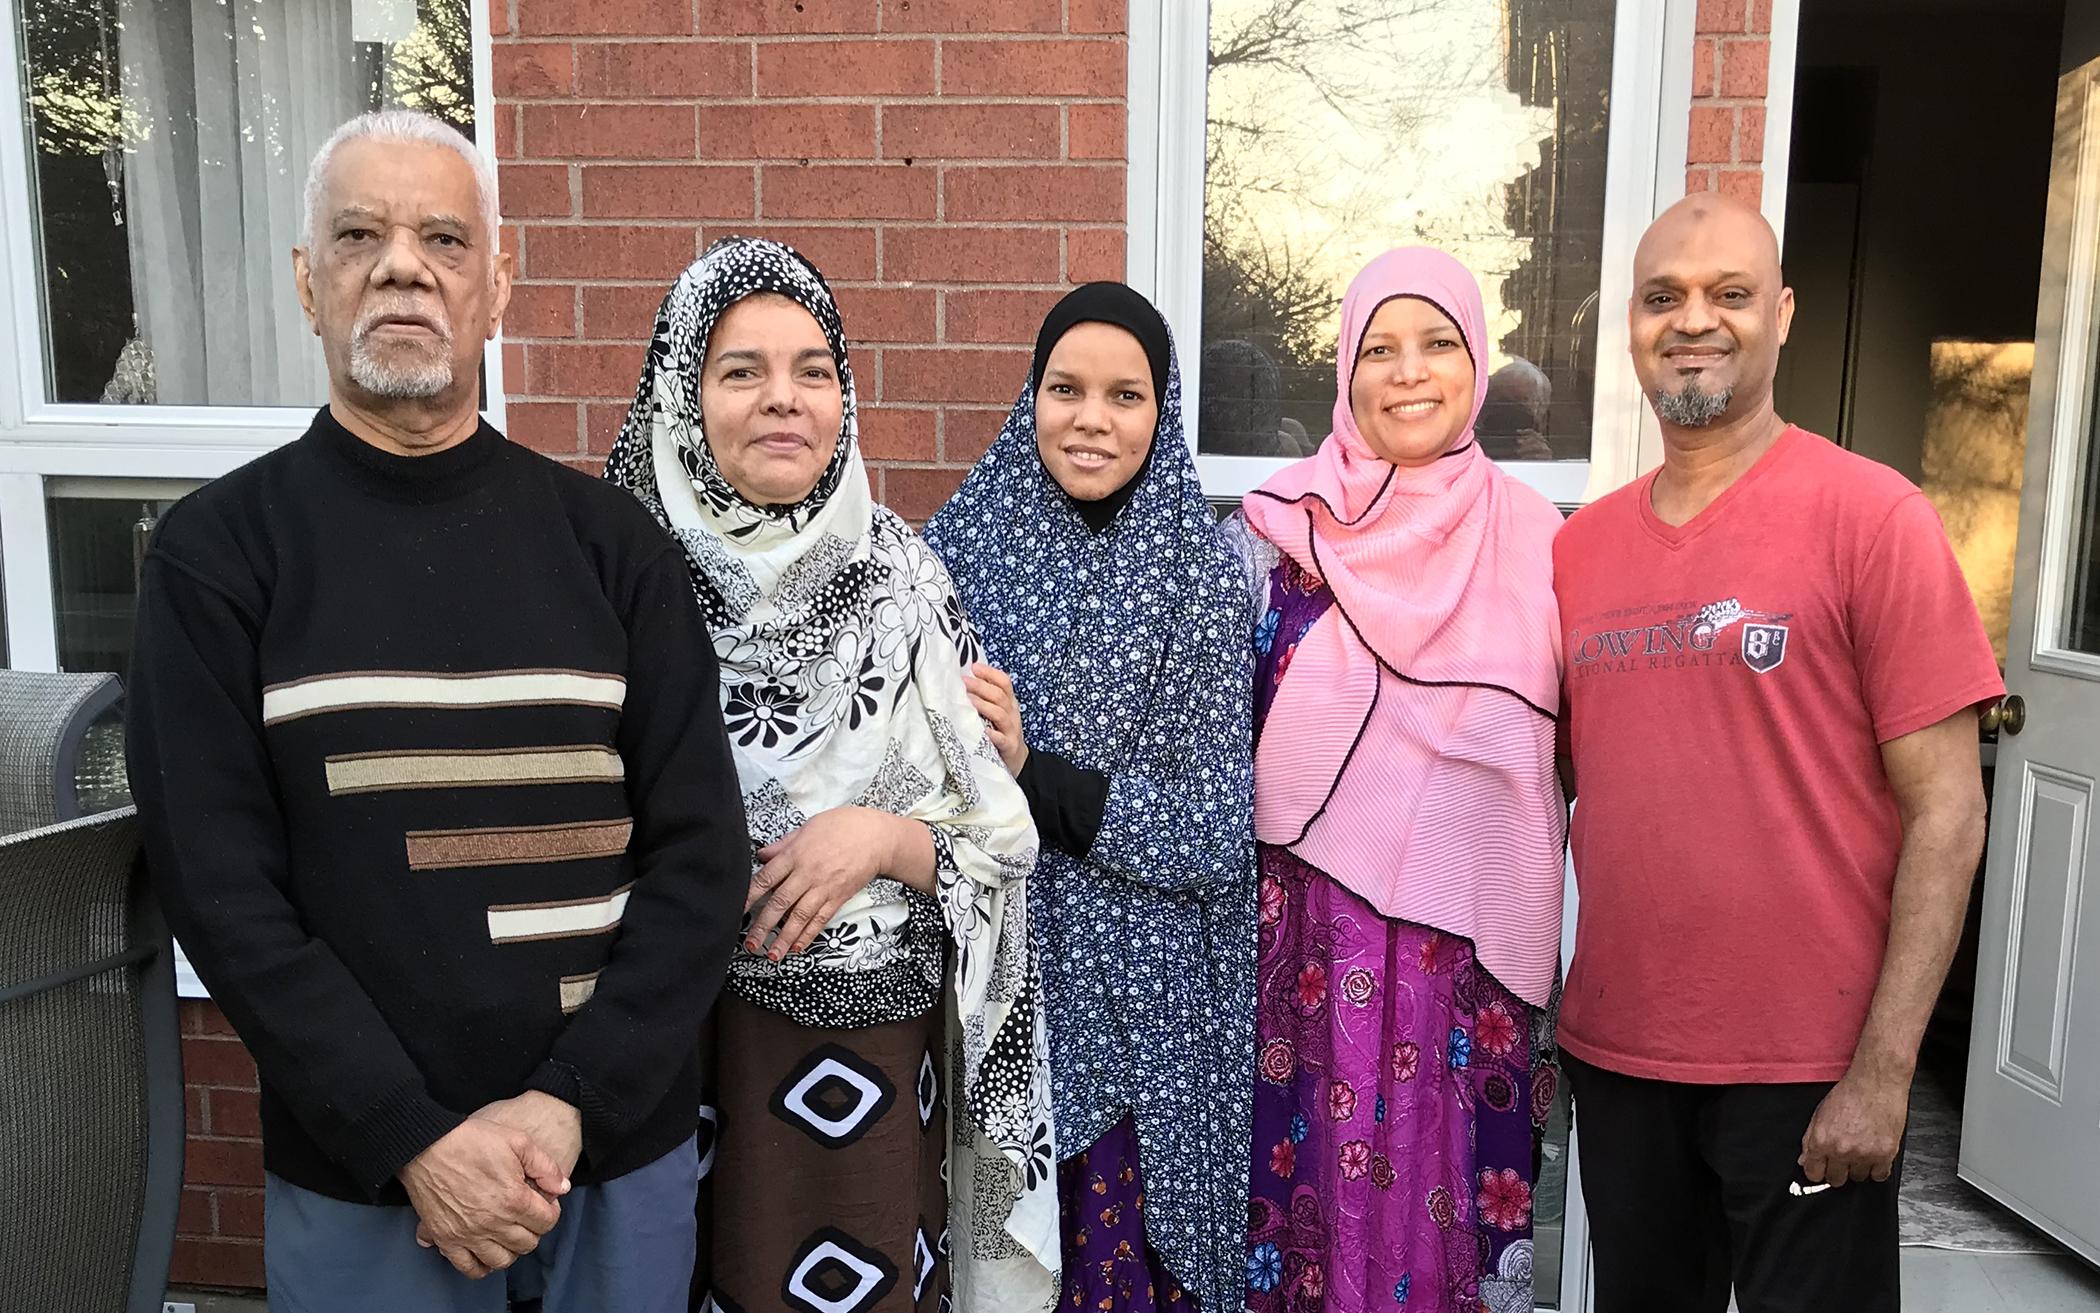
column 424, row 734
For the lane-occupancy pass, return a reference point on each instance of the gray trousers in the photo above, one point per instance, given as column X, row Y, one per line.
column 625, row 1245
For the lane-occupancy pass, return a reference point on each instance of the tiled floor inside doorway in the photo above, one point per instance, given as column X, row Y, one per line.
column 1941, row 1281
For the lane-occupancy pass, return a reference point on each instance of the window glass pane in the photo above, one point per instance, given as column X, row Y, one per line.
column 97, row 544
column 169, row 145
column 1340, row 128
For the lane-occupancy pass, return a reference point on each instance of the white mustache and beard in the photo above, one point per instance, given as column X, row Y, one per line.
column 408, row 370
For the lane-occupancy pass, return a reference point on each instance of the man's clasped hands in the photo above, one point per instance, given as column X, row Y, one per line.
column 487, row 1190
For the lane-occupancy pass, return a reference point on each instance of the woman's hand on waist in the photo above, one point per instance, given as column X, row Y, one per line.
column 812, row 873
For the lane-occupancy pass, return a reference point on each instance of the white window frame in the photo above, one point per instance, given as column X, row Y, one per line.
column 173, row 447
column 1647, row 142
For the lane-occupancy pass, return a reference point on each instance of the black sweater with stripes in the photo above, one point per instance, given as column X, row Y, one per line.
column 436, row 795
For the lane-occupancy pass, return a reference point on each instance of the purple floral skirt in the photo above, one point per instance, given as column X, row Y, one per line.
column 1397, row 1109
column 1109, row 1267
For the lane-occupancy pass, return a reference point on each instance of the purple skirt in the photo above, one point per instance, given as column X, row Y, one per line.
column 1109, row 1266
column 1397, row 1110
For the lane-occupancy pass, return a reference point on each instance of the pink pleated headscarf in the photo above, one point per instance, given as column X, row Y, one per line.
column 1409, row 754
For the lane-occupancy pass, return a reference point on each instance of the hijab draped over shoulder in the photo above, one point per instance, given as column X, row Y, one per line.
column 1418, row 764
column 841, row 647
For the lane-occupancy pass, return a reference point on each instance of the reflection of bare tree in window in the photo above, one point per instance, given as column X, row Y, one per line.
column 74, row 103
column 1336, row 127
column 80, row 123
column 433, row 70
column 1560, row 60
column 1264, row 284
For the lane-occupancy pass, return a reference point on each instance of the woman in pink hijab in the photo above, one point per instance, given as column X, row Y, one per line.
column 1410, row 827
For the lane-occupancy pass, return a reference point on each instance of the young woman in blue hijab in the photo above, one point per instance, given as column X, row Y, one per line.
column 1118, row 691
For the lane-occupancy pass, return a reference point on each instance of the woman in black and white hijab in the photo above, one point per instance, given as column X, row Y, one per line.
column 887, row 953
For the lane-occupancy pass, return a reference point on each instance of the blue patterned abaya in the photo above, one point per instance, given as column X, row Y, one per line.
column 1129, row 656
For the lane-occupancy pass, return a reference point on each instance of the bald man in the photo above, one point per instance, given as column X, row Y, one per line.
column 1773, row 670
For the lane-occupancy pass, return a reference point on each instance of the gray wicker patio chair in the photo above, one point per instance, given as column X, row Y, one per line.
column 61, row 748
column 91, row 1121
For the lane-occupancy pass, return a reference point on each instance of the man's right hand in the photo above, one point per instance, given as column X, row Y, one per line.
column 485, row 1194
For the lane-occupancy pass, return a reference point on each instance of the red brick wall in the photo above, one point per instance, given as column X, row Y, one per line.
column 949, row 164
column 218, row 1235
column 1730, row 61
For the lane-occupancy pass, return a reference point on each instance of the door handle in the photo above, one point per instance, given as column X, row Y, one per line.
column 2008, row 715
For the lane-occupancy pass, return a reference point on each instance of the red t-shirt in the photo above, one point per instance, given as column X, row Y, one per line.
column 1729, row 684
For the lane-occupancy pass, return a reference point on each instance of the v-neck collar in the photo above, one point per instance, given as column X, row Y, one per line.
column 1678, row 535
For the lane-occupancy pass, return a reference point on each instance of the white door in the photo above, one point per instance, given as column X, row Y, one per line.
column 2031, row 1126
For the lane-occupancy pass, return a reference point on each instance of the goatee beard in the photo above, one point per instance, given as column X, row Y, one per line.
column 1691, row 407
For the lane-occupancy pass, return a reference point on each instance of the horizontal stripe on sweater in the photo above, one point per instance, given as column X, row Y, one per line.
column 377, row 689
column 442, row 850
column 375, row 772
column 520, row 923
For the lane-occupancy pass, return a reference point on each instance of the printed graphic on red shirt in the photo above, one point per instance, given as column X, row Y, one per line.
column 1679, row 636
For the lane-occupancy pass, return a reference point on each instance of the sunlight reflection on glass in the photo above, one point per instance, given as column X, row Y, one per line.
column 1340, row 128
column 1974, row 452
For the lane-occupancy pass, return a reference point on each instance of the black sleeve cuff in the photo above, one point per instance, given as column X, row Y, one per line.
column 603, row 1126
column 392, row 1134
column 1067, row 801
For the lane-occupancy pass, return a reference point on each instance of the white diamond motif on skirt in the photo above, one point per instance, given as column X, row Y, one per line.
column 833, row 1096
column 929, row 1089
column 835, row 1274
column 922, row 1259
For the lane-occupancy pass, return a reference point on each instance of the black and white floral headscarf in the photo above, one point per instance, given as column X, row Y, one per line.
column 739, row 550
column 842, row 647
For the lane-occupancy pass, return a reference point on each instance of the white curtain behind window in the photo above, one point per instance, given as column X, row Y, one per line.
column 233, row 97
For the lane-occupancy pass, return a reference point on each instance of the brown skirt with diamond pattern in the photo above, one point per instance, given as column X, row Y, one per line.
column 823, row 1193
